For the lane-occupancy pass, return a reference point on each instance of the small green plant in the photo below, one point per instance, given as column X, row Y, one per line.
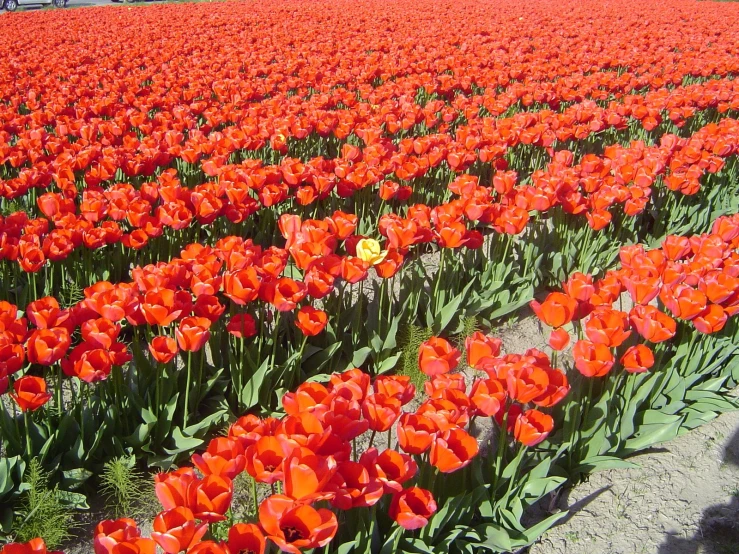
column 469, row 326
column 43, row 511
column 411, row 338
column 125, row 489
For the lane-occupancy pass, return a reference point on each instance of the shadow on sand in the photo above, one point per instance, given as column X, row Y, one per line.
column 718, row 530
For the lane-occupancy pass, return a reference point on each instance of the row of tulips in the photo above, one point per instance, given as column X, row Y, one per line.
column 623, row 175
column 485, row 138
column 209, row 108
column 695, row 278
column 311, row 454
column 149, row 298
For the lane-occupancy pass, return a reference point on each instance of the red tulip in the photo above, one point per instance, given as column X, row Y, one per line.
column 637, row 359
column 30, row 393
column 436, row 356
column 532, row 427
column 453, row 450
column 311, row 321
column 163, row 349
column 47, row 346
column 591, row 359
column 294, row 527
column 412, row 508
column 242, row 326
column 246, row 538
column 176, row 530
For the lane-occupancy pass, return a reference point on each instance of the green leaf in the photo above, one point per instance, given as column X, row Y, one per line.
column 601, row 463
column 249, row 396
column 537, row 488
column 182, row 443
column 390, row 546
column 445, row 315
column 654, row 434
column 360, row 356
column 73, row 499
column 533, row 533
column 74, row 478
column 495, row 537
column 525, row 297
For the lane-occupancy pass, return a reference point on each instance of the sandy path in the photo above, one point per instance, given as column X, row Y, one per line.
column 683, row 499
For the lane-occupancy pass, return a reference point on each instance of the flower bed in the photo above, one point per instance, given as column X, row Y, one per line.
column 271, row 267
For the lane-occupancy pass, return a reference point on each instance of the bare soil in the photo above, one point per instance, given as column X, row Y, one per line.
column 682, row 499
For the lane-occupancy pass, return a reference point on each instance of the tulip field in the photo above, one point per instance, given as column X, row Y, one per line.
column 263, row 252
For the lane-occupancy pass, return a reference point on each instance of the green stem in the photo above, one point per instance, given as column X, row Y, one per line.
column 254, row 495
column 275, row 336
column 440, row 270
column 29, row 449
column 187, row 389
column 502, row 439
column 372, row 438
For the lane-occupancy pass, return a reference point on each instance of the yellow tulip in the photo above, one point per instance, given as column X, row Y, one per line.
column 370, row 251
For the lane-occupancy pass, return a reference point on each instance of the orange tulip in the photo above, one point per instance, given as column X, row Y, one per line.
column 241, row 286
column 284, row 293
column 353, row 487
column 481, row 349
column 30, row 393
column 88, row 363
column 172, row 488
column 559, row 339
column 246, row 538
column 555, row 391
column 557, row 310
column 415, row 433
column 608, row 327
column 34, row 546
column 311, row 321
column 711, row 320
column 224, row 456
column 176, row 530
column 210, row 498
column 437, row 356
column 532, row 427
column 163, row 349
column 47, row 346
column 192, row 333
column 208, row 547
column 412, row 508
column 109, row 534
column 389, row 467
column 453, row 450
column 526, row 382
column 294, row 527
column 381, row 411
column 487, row 396
column 307, row 474
column 265, row 460
column 652, row 324
column 637, row 359
column 591, row 359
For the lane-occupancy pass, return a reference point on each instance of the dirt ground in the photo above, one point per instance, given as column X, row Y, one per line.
column 682, row 499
